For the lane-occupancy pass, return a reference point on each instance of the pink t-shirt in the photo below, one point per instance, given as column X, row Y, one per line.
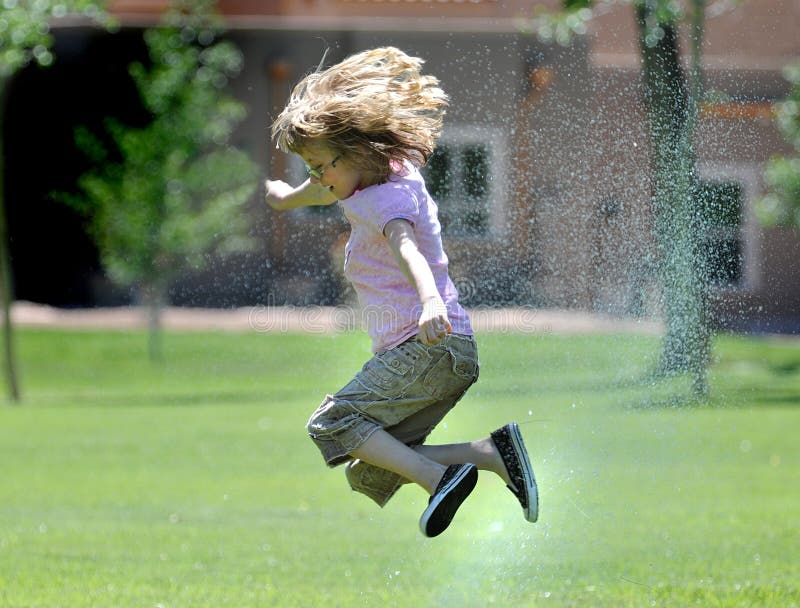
column 390, row 304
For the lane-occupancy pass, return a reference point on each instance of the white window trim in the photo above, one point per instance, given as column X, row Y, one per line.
column 748, row 175
column 496, row 141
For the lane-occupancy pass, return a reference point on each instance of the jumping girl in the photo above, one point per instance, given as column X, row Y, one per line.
column 364, row 128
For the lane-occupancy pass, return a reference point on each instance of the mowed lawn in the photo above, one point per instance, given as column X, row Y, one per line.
column 192, row 483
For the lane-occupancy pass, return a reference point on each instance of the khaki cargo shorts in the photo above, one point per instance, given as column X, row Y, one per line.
column 406, row 391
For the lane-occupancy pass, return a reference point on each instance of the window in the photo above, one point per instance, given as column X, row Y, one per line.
column 457, row 179
column 720, row 220
column 461, row 176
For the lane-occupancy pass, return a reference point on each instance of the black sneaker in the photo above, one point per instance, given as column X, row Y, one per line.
column 456, row 484
column 512, row 450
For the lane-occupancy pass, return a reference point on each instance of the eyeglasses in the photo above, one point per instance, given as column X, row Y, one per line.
column 318, row 173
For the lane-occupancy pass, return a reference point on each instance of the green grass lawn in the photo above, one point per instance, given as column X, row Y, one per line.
column 192, row 483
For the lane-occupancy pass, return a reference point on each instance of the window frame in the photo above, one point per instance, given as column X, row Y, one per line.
column 746, row 175
column 495, row 140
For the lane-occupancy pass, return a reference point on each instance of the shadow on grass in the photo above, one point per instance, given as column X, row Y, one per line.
column 679, row 401
column 548, row 386
column 786, row 369
column 268, row 398
column 792, row 399
column 725, row 398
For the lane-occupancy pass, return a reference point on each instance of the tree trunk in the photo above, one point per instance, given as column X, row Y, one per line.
column 153, row 298
column 671, row 116
column 6, row 280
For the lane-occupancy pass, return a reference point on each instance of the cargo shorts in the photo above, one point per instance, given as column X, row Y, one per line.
column 406, row 391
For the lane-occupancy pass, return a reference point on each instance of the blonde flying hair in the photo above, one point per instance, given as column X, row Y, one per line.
column 375, row 108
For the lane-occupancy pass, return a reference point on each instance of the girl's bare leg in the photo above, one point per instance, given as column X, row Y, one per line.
column 425, row 464
column 384, row 451
column 482, row 453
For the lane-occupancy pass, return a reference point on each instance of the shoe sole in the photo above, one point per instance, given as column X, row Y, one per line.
column 532, row 512
column 445, row 503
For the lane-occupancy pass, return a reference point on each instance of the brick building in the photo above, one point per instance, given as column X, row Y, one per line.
column 542, row 173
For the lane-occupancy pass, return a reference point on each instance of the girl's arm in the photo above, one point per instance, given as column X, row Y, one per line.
column 281, row 195
column 433, row 322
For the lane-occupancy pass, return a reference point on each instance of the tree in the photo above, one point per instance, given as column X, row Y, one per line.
column 24, row 38
column 178, row 193
column 671, row 99
column 672, row 112
column 781, row 205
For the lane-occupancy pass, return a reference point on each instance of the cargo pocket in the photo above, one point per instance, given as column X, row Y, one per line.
column 465, row 367
column 451, row 375
column 391, row 372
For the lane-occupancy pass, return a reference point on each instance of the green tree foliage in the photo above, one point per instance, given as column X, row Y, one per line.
column 180, row 189
column 24, row 38
column 25, row 29
column 781, row 205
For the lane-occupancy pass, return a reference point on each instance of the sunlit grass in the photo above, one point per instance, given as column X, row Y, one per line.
column 192, row 483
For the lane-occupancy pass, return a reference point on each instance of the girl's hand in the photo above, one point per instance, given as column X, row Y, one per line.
column 433, row 322
column 277, row 191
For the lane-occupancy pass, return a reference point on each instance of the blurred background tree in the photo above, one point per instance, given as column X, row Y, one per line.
column 163, row 197
column 24, row 38
column 672, row 96
column 781, row 205
column 671, row 99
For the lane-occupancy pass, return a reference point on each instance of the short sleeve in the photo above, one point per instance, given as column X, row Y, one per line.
column 396, row 201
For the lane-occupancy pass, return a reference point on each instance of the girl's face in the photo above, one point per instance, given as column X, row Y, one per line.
column 332, row 170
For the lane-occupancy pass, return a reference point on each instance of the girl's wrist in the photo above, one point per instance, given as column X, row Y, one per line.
column 434, row 306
